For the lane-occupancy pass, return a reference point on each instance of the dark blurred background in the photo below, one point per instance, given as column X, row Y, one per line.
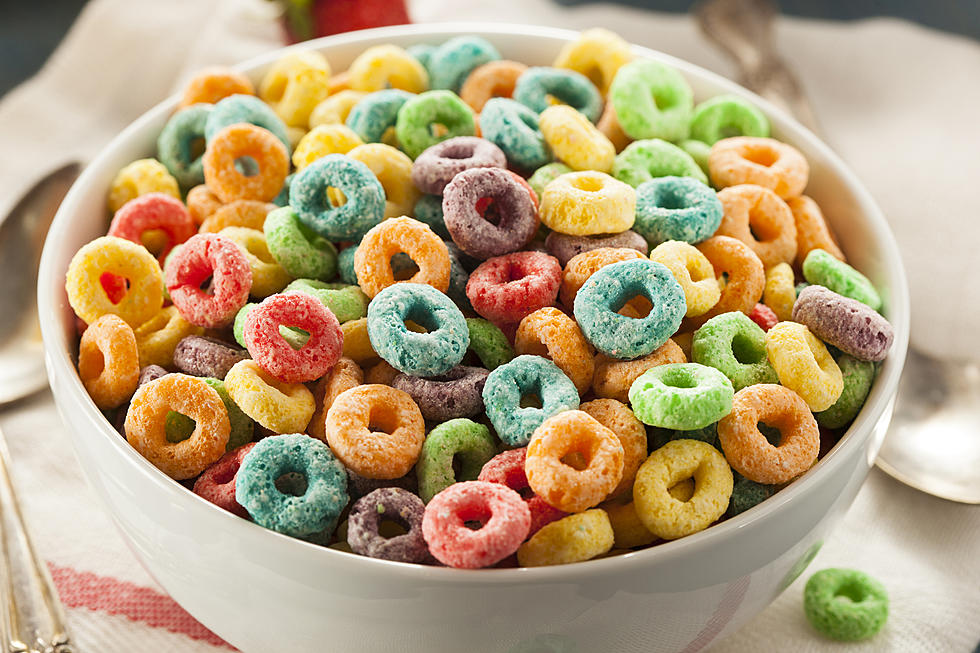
column 30, row 29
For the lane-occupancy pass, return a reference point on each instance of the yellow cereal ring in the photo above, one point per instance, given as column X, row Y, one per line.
column 240, row 213
column 693, row 271
column 804, row 365
column 393, row 169
column 110, row 257
column 201, row 203
column 344, row 375
column 760, row 219
column 618, row 418
column 628, row 530
column 188, row 395
column 108, row 362
column 780, row 292
column 661, row 513
column 139, row 178
column 598, row 54
column 575, row 538
column 387, row 66
column 613, row 377
column 357, row 344
column 157, row 338
column 323, row 140
column 812, row 230
column 609, row 126
column 295, row 84
column 236, row 142
column 574, row 140
column 588, row 203
column 213, row 84
column 268, row 277
column 761, row 161
column 372, row 260
column 278, row 406
column 334, row 109
column 549, row 333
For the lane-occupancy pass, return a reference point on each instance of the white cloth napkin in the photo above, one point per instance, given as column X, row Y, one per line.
column 900, row 104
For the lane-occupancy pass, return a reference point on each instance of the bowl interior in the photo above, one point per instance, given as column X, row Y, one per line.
column 857, row 221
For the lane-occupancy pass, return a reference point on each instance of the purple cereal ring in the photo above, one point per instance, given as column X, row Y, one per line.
column 564, row 247
column 217, row 482
column 150, row 373
column 457, row 393
column 393, row 504
column 437, row 165
column 478, row 236
column 845, row 323
column 359, row 486
column 203, row 356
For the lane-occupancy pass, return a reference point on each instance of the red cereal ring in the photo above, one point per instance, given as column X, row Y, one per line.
column 217, row 483
column 201, row 257
column 275, row 355
column 153, row 211
column 507, row 468
column 241, row 141
column 505, row 289
column 764, row 316
column 503, row 513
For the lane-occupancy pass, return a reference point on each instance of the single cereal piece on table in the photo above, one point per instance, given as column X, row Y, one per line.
column 845, row 604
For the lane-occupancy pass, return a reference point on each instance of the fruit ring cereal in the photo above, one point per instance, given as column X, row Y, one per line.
column 268, row 277
column 108, row 361
column 858, row 376
column 812, row 231
column 537, row 86
column 457, row 393
column 747, row 449
column 613, row 377
column 505, row 289
column 677, row 208
column 804, row 365
column 451, row 63
column 576, row 141
column 746, row 494
column 764, row 316
column 201, row 203
column 213, row 84
column 642, row 161
column 822, row 269
column 345, row 302
column 741, row 268
column 346, row 374
column 507, row 468
column 365, row 197
column 436, row 166
column 652, row 100
column 217, row 483
column 278, row 406
column 236, row 109
column 428, row 210
column 761, row 161
column 619, row 419
column 323, row 140
column 495, row 79
column 574, row 538
column 157, row 338
column 526, row 375
column 698, row 151
column 239, row 213
column 189, row 396
column 676, row 461
column 701, row 290
column 372, row 261
column 736, row 346
column 387, row 504
column 294, row 85
column 335, row 108
column 153, row 211
column 209, row 256
column 609, row 126
column 545, row 175
column 394, row 170
column 845, row 323
column 549, row 333
column 845, row 604
column 477, row 236
column 457, row 442
column 387, row 66
column 416, row 118
column 373, row 118
column 176, row 143
column 598, row 54
column 311, row 507
column 243, row 141
column 139, row 178
column 725, row 116
column 489, row 343
column 203, row 356
column 756, row 216
column 502, row 512
column 301, row 252
column 564, row 247
column 606, row 291
column 588, row 203
column 780, row 293
column 683, row 396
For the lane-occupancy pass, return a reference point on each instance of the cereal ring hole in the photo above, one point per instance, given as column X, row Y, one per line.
column 114, row 286
column 438, row 130
column 155, row 241
column 178, row 427
column 763, row 156
column 577, row 460
column 488, row 210
column 531, row 400
column 773, row 434
column 335, row 197
column 747, row 351
column 392, row 527
column 851, row 591
column 292, row 483
column 679, row 377
column 247, row 166
column 295, row 337
column 587, row 183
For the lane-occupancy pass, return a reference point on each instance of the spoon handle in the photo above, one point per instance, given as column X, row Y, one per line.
column 32, row 617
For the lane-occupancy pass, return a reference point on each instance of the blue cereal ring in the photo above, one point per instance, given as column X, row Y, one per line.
column 417, row 354
column 376, row 113
column 642, row 161
column 175, row 145
column 458, row 277
column 513, row 128
column 345, row 265
column 429, row 211
column 610, row 288
column 676, row 208
column 451, row 63
column 422, row 53
column 526, row 375
column 245, row 108
column 312, row 515
column 365, row 205
column 535, row 85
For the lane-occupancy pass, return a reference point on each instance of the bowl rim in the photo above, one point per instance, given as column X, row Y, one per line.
column 60, row 365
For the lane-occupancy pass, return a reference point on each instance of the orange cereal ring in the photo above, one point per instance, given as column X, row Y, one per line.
column 372, row 260
column 609, row 125
column 381, row 372
column 213, row 84
column 812, row 230
column 613, row 377
column 98, row 267
column 188, row 395
column 239, row 213
column 108, row 361
column 346, row 374
column 549, row 333
column 760, row 161
column 338, row 83
column 157, row 338
column 573, row 462
column 236, row 142
column 756, row 216
column 618, row 418
column 376, row 431
column 582, row 266
column 278, row 406
column 747, row 449
column 493, row 79
column 294, row 85
column 741, row 276
column 201, row 203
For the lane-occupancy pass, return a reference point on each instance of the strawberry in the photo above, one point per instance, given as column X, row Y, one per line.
column 306, row 19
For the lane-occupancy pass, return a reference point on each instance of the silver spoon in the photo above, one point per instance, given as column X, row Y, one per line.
column 31, row 615
column 933, row 443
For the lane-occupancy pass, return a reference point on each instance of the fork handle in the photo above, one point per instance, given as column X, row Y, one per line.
column 31, row 615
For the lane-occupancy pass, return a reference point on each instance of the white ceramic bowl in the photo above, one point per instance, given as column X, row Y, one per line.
column 263, row 591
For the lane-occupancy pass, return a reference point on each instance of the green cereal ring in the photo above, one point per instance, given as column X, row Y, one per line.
column 735, row 345
column 684, row 396
column 746, row 494
column 652, row 100
column 489, row 343
column 643, row 160
column 707, row 434
column 699, row 152
column 297, row 248
column 545, row 175
column 418, row 116
column 858, row 376
column 346, row 302
column 459, row 440
column 845, row 604
column 345, row 265
column 428, row 210
column 725, row 116
column 179, row 427
column 822, row 269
